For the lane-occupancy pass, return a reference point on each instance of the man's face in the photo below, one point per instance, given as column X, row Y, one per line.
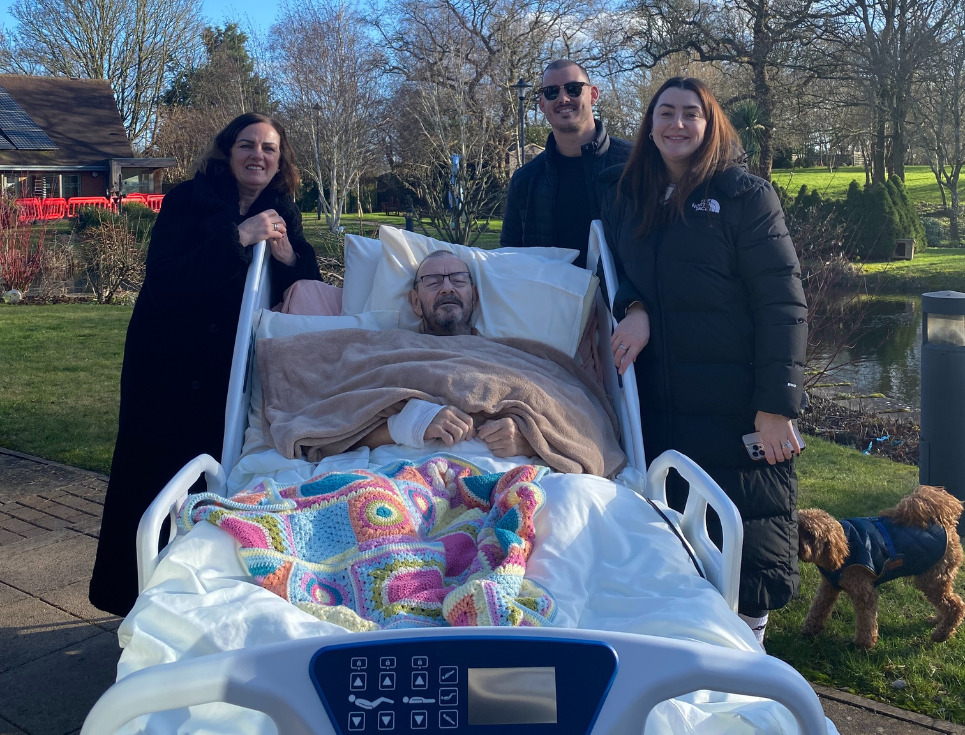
column 568, row 114
column 444, row 307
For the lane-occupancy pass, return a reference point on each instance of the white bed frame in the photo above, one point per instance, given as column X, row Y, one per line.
column 651, row 669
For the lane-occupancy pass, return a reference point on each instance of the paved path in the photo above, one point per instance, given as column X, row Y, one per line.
column 58, row 654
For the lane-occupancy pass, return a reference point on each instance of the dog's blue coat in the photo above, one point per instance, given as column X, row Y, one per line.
column 889, row 551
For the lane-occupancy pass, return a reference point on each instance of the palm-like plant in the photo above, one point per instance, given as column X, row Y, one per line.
column 745, row 117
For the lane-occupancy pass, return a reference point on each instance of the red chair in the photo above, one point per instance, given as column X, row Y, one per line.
column 154, row 201
column 53, row 208
column 28, row 209
column 76, row 203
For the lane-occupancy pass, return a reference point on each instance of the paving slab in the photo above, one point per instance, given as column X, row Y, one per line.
column 52, row 695
column 32, row 629
column 47, row 562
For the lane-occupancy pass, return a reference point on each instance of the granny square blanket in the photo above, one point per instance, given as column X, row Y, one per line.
column 412, row 544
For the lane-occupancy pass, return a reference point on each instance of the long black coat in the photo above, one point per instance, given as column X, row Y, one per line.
column 728, row 337
column 177, row 358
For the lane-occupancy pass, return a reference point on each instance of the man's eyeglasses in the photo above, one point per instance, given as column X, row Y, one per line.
column 551, row 92
column 433, row 281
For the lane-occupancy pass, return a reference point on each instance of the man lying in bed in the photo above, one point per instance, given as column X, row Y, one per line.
column 332, row 391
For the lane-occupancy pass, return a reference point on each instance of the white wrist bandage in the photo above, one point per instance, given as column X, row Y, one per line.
column 409, row 426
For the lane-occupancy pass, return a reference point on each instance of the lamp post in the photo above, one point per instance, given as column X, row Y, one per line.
column 521, row 87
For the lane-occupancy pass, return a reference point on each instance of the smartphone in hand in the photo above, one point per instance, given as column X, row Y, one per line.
column 755, row 448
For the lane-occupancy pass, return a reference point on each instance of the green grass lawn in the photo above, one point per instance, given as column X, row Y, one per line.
column 919, row 182
column 60, row 381
column 933, row 269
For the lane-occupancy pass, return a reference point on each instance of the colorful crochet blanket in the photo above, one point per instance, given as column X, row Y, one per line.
column 413, row 544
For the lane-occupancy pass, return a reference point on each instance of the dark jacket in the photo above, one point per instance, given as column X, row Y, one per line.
column 531, row 219
column 177, row 357
column 889, row 551
column 728, row 336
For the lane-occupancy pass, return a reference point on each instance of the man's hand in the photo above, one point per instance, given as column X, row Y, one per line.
column 504, row 438
column 451, row 425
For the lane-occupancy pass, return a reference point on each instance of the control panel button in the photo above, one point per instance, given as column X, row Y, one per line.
column 448, row 674
column 420, row 662
column 419, row 720
column 387, row 680
column 356, row 682
column 420, row 680
column 448, row 697
column 386, row 720
column 359, row 662
column 387, row 662
column 356, row 721
column 448, row 719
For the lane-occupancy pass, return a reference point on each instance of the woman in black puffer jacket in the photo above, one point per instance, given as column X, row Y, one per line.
column 714, row 321
column 177, row 357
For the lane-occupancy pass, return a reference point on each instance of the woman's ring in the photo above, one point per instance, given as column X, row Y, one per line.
column 274, row 226
column 786, row 445
column 622, row 346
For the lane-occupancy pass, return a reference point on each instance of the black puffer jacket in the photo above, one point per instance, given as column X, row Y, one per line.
column 177, row 357
column 531, row 218
column 728, row 336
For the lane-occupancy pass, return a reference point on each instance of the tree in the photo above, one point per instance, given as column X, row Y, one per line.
column 330, row 72
column 758, row 35
column 132, row 43
column 206, row 96
column 941, row 106
column 885, row 46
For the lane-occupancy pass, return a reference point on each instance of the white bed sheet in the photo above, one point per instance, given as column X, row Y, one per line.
column 607, row 556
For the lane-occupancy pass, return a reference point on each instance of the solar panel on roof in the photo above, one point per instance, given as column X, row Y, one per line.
column 6, row 145
column 19, row 128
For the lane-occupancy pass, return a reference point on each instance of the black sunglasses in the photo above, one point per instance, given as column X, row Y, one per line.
column 551, row 92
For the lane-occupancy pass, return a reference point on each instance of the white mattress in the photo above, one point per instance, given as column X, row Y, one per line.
column 605, row 554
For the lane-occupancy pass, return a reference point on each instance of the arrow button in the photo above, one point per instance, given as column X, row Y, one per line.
column 356, row 721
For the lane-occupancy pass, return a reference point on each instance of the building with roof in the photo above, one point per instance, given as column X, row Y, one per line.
column 62, row 137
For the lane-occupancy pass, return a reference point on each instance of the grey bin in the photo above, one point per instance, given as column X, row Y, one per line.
column 942, row 446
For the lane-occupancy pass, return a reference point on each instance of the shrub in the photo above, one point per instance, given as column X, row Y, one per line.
column 21, row 248
column 113, row 260
column 934, row 232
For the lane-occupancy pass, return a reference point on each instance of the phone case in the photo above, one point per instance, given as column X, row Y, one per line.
column 753, row 445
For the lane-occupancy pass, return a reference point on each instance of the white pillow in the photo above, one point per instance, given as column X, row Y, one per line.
column 362, row 256
column 523, row 292
column 275, row 324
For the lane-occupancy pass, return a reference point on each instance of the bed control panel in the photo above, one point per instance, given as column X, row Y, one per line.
column 479, row 685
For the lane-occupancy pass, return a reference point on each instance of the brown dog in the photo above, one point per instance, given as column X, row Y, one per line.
column 918, row 537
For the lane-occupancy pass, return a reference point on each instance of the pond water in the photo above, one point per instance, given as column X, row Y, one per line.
column 882, row 353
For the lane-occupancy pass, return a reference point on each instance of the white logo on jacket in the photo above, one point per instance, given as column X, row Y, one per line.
column 708, row 205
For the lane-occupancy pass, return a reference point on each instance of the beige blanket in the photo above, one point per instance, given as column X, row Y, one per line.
column 325, row 391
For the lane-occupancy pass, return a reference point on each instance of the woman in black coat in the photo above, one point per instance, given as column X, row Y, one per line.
column 177, row 357
column 714, row 321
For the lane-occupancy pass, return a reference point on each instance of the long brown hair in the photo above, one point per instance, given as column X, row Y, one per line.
column 645, row 178
column 214, row 161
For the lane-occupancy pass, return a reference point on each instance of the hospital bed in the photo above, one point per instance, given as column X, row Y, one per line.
column 644, row 639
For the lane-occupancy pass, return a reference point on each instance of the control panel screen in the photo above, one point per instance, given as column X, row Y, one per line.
column 524, row 695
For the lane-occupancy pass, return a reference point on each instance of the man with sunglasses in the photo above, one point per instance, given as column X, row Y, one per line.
column 554, row 197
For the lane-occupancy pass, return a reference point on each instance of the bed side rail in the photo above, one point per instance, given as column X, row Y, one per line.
column 166, row 506
column 274, row 679
column 721, row 567
column 257, row 295
column 621, row 389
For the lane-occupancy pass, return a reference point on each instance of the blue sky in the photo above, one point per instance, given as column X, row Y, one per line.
column 256, row 14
